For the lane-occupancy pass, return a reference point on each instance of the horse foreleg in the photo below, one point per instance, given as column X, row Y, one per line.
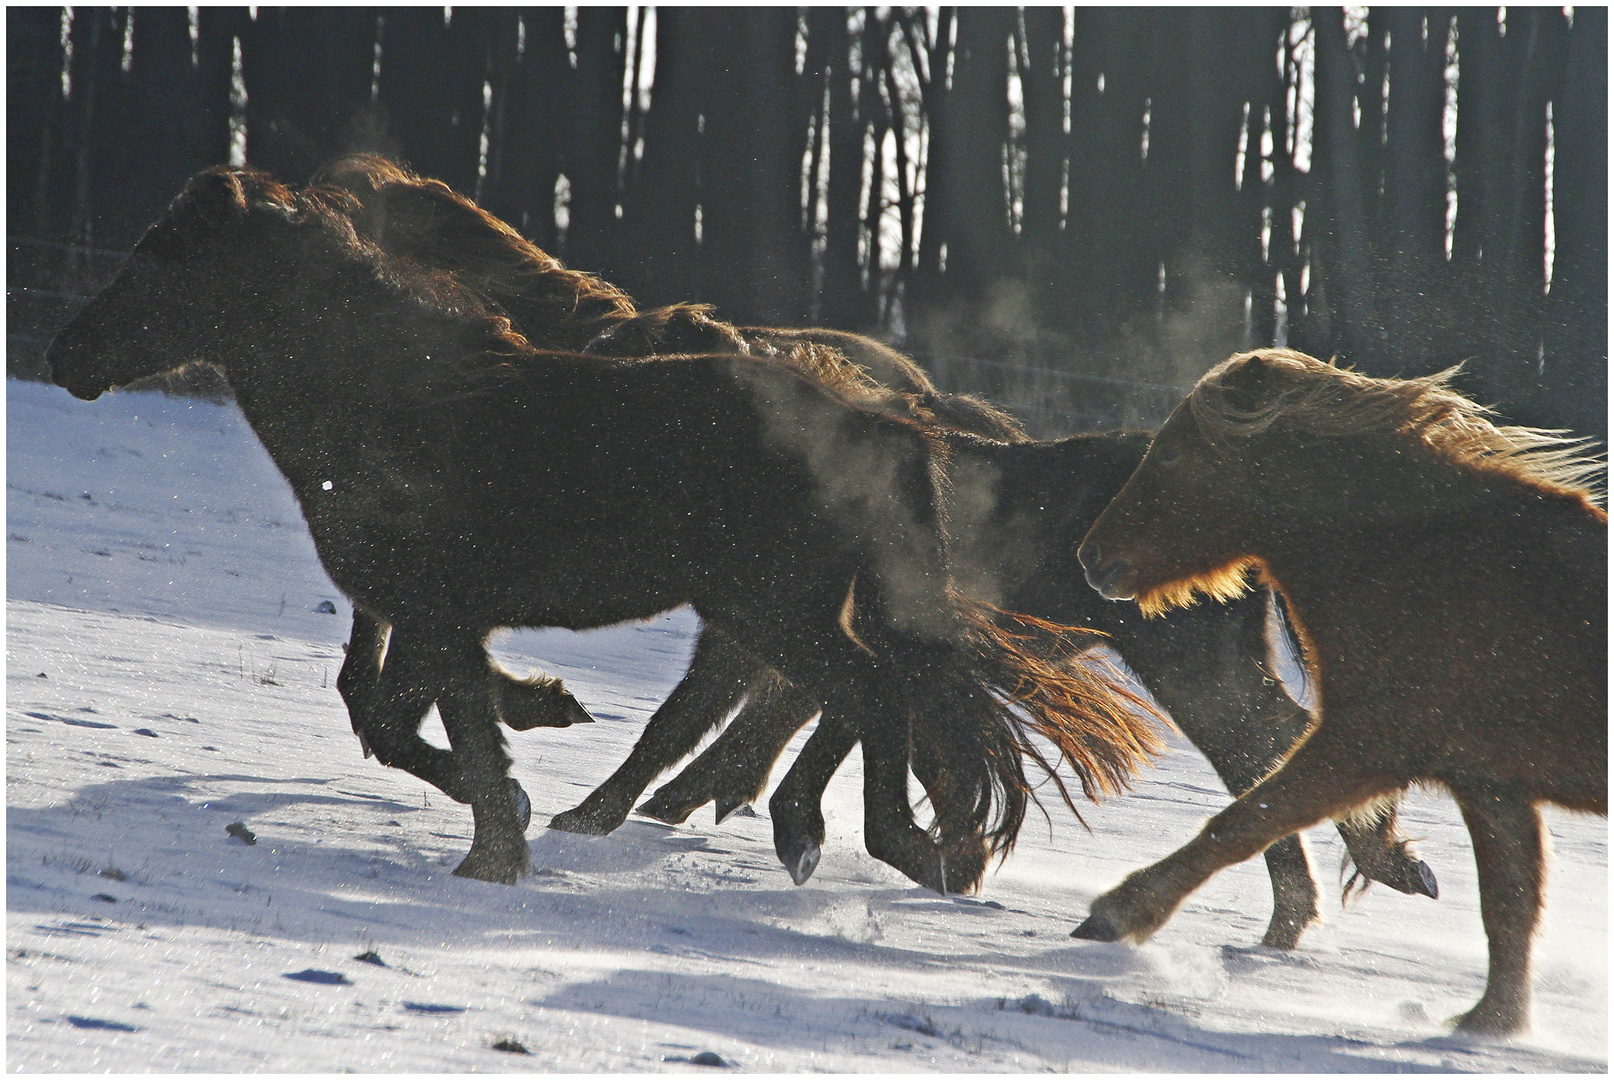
column 718, row 676
column 470, row 717
column 387, row 704
column 1508, row 852
column 734, row 770
column 1321, row 779
column 361, row 670
column 798, row 817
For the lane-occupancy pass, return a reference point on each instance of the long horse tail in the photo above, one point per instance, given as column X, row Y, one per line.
column 1102, row 729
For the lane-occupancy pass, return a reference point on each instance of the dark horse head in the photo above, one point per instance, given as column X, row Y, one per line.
column 164, row 309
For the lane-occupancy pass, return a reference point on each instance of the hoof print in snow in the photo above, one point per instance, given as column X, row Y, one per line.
column 105, row 898
column 93, row 1024
column 427, row 1007
column 115, row 874
column 510, row 1046
column 147, row 732
column 239, row 830
column 370, row 956
column 314, row 975
column 325, row 607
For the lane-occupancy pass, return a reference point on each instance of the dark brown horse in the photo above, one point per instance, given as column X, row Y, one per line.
column 456, row 480
column 1449, row 582
column 1206, row 666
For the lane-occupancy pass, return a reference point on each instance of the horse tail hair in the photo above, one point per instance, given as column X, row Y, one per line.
column 1095, row 723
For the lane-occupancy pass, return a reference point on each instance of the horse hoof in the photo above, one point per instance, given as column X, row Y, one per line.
column 1096, row 928
column 579, row 820
column 801, row 866
column 727, row 808
column 662, row 810
column 1488, row 1020
column 501, row 865
column 1427, row 885
column 523, row 805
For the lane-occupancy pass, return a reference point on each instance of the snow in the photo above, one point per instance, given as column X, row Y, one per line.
column 167, row 676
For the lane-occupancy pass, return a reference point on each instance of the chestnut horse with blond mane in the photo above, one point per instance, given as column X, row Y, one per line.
column 1448, row 578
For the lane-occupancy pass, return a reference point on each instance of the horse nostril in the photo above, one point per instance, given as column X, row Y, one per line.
column 1090, row 555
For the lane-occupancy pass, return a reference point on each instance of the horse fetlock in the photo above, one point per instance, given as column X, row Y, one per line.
column 910, row 850
column 1286, row 928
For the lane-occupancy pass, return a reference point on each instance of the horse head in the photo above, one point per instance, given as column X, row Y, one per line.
column 1181, row 526
column 157, row 314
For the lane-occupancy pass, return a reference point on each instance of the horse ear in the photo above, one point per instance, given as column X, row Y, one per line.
column 1246, row 383
column 211, row 198
column 402, row 217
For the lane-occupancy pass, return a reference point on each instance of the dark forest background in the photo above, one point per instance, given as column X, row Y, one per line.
column 1074, row 211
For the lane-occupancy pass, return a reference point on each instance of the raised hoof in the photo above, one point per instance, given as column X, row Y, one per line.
column 525, row 704
column 523, row 805
column 1427, row 885
column 800, row 865
column 663, row 810
column 1096, row 928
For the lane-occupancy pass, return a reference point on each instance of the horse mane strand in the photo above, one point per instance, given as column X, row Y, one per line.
column 1324, row 399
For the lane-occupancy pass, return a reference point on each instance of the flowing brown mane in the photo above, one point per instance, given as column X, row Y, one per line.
column 447, row 247
column 427, row 222
column 1320, row 398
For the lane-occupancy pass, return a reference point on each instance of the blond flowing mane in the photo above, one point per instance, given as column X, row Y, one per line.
column 1320, row 398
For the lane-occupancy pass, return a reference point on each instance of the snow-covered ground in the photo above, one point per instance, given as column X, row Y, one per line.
column 168, row 676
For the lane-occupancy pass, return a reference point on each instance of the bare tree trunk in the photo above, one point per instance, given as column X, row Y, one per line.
column 1574, row 370
column 593, row 137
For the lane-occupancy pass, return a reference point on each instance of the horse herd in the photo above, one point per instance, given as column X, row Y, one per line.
column 481, row 438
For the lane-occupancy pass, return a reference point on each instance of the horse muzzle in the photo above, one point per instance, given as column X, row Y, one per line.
column 66, row 369
column 1107, row 575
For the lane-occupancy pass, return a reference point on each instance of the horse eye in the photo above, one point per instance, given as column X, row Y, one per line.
column 1167, row 455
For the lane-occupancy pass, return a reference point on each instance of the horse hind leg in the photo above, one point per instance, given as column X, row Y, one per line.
column 733, row 771
column 796, row 806
column 1509, row 854
column 718, row 676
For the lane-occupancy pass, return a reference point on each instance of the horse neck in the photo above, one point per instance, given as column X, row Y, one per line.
column 1439, row 531
column 1015, row 504
column 324, row 361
